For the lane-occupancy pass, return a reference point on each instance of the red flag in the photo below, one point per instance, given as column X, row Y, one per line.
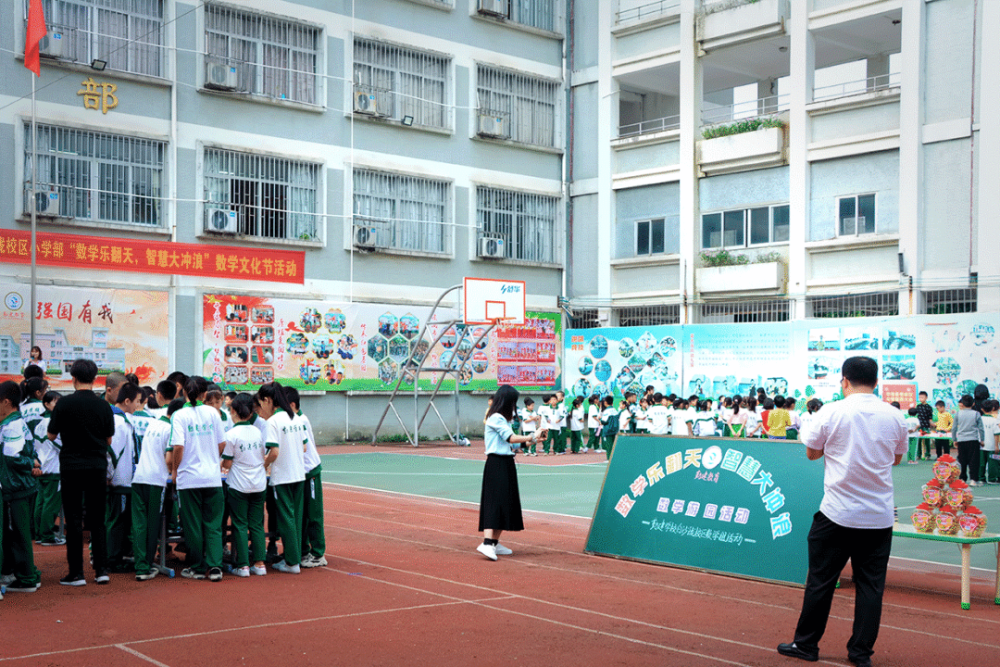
column 36, row 30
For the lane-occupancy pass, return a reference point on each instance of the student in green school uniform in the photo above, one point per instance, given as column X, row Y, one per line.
column 215, row 399
column 32, row 408
column 246, row 460
column 564, row 426
column 148, row 483
column 122, row 456
column 197, row 440
column 576, row 419
column 288, row 475
column 18, row 470
column 313, row 537
column 610, row 424
column 49, row 500
column 530, row 420
column 593, row 423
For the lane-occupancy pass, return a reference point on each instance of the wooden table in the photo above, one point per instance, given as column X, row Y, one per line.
column 906, row 530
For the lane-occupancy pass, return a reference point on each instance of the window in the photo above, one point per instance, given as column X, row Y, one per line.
column 948, row 301
column 649, row 316
column 856, row 215
column 775, row 310
column 649, row 237
column 97, row 177
column 539, row 14
column 272, row 57
column 874, row 304
column 525, row 222
column 408, row 213
column 126, row 34
column 403, row 82
column 517, row 107
column 745, row 227
column 585, row 319
column 273, row 198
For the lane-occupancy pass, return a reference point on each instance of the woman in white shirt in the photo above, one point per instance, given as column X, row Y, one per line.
column 288, row 474
column 500, row 502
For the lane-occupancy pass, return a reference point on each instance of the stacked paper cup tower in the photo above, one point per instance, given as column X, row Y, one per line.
column 947, row 508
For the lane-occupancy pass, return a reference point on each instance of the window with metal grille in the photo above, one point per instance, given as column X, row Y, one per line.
column 408, row 213
column 399, row 82
column 742, row 228
column 775, row 310
column 947, row 301
column 273, row 198
column 873, row 304
column 649, row 316
column 525, row 222
column 271, row 56
column 535, row 13
column 856, row 215
column 95, row 176
column 585, row 319
column 126, row 34
column 516, row 106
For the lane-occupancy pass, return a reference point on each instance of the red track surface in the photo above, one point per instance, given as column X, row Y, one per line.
column 404, row 586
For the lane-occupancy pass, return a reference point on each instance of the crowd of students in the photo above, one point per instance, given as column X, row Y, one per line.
column 208, row 462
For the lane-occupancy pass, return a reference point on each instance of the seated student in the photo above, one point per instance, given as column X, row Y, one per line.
column 18, row 469
column 778, row 420
column 943, row 423
column 659, row 419
column 123, row 454
column 313, row 536
column 246, row 461
column 49, row 501
column 152, row 472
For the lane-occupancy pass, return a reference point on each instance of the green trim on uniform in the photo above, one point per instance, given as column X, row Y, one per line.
column 226, row 457
column 201, row 517
column 247, row 513
column 20, row 557
column 270, row 445
column 147, row 504
column 47, row 506
column 313, row 537
column 288, row 499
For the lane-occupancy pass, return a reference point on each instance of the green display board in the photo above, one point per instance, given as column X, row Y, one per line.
column 740, row 507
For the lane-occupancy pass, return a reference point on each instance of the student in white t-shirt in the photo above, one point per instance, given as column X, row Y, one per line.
column 313, row 535
column 246, row 460
column 754, row 427
column 989, row 466
column 593, row 423
column 49, row 500
column 287, row 472
column 658, row 416
column 682, row 419
column 704, row 421
column 530, row 418
column 576, row 419
column 197, row 440
column 123, row 453
column 642, row 416
column 152, row 472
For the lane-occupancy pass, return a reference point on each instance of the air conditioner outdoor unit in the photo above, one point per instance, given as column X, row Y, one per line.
column 493, row 7
column 220, row 75
column 365, row 236
column 51, row 45
column 364, row 102
column 493, row 126
column 491, row 247
column 47, row 202
column 220, row 220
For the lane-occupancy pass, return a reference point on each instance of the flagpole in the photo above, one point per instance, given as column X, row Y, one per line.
column 34, row 207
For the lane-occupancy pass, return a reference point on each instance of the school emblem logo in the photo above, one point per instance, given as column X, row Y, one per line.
column 13, row 301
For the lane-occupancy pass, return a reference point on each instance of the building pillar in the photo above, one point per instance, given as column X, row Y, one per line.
column 911, row 153
column 878, row 71
column 988, row 152
column 801, row 75
column 691, row 91
column 607, row 128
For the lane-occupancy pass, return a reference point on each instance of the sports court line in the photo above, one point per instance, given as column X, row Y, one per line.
column 256, row 626
column 848, row 600
column 132, row 651
column 475, row 474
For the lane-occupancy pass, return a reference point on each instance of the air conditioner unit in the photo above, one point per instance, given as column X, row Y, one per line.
column 365, row 103
column 47, row 203
column 493, row 7
column 491, row 247
column 493, row 126
column 220, row 221
column 51, row 45
column 365, row 236
column 220, row 75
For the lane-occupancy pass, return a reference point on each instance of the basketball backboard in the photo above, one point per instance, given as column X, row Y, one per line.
column 487, row 300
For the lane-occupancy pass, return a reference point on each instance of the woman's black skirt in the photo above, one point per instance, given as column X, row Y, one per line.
column 500, row 503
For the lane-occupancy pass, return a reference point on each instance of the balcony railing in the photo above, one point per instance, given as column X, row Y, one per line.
column 649, row 126
column 765, row 106
column 872, row 83
column 646, row 11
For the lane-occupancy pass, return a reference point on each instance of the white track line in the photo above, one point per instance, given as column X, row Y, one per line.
column 132, row 651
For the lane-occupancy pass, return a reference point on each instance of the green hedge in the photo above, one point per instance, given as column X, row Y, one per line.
column 741, row 126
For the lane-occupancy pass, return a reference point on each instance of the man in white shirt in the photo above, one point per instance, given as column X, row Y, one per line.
column 861, row 438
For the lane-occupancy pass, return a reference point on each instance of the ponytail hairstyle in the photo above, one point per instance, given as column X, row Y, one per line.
column 32, row 387
column 195, row 388
column 276, row 393
column 752, row 404
column 577, row 402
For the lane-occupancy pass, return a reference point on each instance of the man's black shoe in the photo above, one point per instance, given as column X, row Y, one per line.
column 861, row 662
column 793, row 651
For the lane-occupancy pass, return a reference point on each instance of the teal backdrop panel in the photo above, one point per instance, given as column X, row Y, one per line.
column 740, row 507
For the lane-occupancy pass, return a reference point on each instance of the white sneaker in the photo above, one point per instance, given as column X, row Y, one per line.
column 503, row 551
column 259, row 571
column 282, row 566
column 7, row 579
column 242, row 571
column 487, row 550
column 311, row 561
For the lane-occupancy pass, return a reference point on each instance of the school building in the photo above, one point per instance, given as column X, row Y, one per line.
column 634, row 162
